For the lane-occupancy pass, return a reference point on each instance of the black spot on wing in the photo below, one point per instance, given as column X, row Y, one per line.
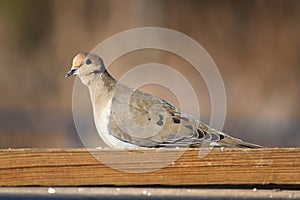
column 176, row 120
column 160, row 122
column 160, row 117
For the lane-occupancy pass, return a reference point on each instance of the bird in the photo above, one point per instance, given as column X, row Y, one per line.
column 129, row 118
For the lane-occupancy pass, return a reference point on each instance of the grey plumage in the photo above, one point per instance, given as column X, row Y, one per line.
column 139, row 119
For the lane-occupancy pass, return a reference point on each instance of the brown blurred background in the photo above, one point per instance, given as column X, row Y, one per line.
column 255, row 44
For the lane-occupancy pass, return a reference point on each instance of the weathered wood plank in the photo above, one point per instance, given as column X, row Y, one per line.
column 142, row 192
column 75, row 167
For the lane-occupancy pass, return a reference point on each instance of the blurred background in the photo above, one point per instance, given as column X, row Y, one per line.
column 255, row 44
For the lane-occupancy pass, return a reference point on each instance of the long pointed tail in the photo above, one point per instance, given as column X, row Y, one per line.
column 235, row 142
column 248, row 145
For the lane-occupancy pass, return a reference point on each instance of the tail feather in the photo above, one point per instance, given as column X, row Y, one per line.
column 234, row 142
column 249, row 145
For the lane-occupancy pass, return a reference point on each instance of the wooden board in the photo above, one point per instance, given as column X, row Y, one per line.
column 77, row 167
column 61, row 193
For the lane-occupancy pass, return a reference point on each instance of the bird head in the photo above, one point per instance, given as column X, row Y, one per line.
column 86, row 66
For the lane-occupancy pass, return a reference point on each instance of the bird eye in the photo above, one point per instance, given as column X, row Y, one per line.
column 88, row 61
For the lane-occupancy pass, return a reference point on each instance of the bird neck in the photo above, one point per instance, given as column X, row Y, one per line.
column 101, row 88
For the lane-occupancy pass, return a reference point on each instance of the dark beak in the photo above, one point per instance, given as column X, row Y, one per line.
column 70, row 73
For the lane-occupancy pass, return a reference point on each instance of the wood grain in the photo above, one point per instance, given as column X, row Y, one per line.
column 77, row 167
column 61, row 193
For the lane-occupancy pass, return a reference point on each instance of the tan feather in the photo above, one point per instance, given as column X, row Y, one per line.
column 142, row 119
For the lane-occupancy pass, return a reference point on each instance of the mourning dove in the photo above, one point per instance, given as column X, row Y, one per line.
column 129, row 118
